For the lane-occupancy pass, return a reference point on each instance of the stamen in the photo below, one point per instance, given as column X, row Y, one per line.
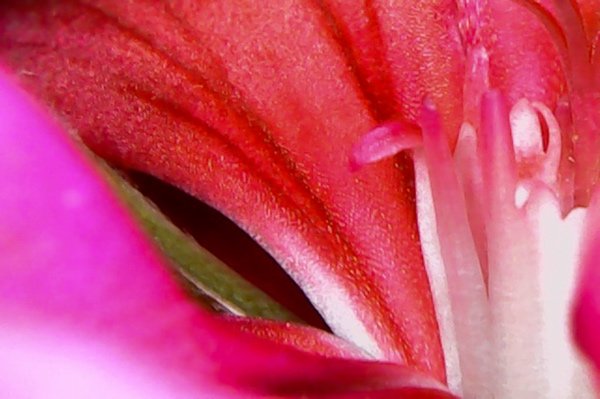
column 466, row 288
column 434, row 265
column 496, row 151
column 468, row 166
column 382, row 142
column 512, row 263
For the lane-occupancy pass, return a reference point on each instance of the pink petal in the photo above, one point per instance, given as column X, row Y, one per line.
column 586, row 306
column 89, row 309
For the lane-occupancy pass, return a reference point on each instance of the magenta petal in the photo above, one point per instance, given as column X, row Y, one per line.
column 586, row 309
column 88, row 309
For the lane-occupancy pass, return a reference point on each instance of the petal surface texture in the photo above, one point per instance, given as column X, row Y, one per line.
column 222, row 101
column 88, row 308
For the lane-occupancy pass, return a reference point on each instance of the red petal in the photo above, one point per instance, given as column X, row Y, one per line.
column 403, row 51
column 591, row 16
column 251, row 108
column 523, row 60
column 81, row 289
column 305, row 338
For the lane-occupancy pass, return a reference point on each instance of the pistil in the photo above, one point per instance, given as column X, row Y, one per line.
column 501, row 255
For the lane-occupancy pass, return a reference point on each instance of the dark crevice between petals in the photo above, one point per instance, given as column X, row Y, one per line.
column 212, row 283
column 229, row 243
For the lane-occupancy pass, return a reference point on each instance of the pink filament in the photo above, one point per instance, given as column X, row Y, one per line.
column 468, row 166
column 466, row 288
column 497, row 153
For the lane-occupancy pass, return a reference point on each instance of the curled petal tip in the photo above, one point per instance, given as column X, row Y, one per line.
column 384, row 141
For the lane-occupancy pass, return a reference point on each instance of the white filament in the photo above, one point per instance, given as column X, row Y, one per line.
column 532, row 252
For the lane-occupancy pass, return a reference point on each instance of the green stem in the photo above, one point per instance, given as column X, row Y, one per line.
column 215, row 280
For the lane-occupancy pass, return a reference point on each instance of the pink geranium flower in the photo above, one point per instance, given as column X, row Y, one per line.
column 457, row 260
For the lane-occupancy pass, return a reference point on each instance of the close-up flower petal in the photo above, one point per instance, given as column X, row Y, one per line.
column 88, row 308
column 299, row 198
